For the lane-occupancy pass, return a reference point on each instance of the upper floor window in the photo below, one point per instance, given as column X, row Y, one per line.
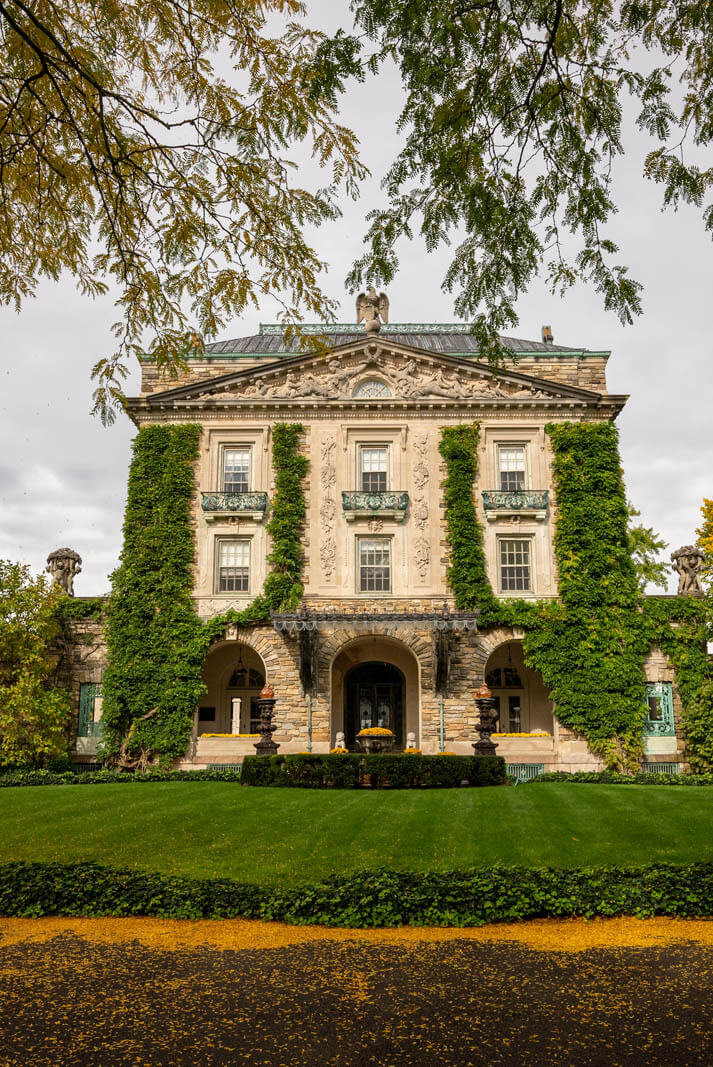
column 511, row 467
column 236, row 470
column 233, row 570
column 374, row 559
column 514, row 560
column 373, row 468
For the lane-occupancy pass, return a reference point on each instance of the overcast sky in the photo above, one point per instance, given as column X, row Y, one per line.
column 63, row 476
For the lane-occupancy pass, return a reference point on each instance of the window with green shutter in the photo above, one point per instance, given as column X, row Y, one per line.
column 659, row 714
column 89, row 693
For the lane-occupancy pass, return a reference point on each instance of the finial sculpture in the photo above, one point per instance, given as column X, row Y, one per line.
column 265, row 706
column 688, row 563
column 372, row 309
column 63, row 564
column 486, row 704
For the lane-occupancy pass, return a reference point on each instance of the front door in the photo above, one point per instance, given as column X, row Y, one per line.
column 374, row 694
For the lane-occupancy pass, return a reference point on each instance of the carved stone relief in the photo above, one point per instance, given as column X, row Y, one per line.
column 422, row 548
column 328, row 508
column 404, row 378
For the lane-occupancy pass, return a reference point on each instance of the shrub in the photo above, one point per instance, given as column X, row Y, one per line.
column 365, row 898
column 612, row 778
column 316, row 771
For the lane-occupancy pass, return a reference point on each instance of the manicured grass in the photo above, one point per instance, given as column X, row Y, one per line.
column 215, row 829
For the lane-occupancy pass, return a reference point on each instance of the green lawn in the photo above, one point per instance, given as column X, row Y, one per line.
column 289, row 835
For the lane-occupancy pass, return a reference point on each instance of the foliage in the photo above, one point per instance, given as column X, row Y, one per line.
column 611, row 778
column 375, row 898
column 589, row 646
column 22, row 777
column 156, row 642
column 152, row 665
column 466, row 575
column 705, row 542
column 34, row 709
column 77, row 609
column 680, row 626
column 118, row 127
column 351, row 771
column 644, row 548
column 513, row 123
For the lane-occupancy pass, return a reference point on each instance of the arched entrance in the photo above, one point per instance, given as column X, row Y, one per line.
column 234, row 674
column 375, row 678
column 374, row 696
column 523, row 701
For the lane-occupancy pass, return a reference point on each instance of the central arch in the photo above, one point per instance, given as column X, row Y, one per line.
column 375, row 678
column 374, row 696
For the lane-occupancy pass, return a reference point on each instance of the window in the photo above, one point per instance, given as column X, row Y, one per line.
column 236, row 470
column 372, row 389
column 511, row 467
column 206, row 714
column 373, row 468
column 374, row 565
column 659, row 710
column 515, row 567
column 233, row 566
column 90, row 703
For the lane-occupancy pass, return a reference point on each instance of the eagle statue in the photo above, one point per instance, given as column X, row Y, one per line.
column 372, row 309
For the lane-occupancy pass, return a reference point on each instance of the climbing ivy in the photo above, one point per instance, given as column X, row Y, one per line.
column 151, row 621
column 681, row 626
column 155, row 640
column 589, row 646
column 466, row 574
column 591, row 643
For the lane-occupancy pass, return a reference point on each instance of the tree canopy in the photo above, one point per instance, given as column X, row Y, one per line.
column 512, row 126
column 147, row 146
column 34, row 710
column 645, row 547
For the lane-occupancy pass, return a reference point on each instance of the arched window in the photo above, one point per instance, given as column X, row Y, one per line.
column 503, row 678
column 246, row 678
column 372, row 389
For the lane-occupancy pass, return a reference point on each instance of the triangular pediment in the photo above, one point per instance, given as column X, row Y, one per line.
column 371, row 371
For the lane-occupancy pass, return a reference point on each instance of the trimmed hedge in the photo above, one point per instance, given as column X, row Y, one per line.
column 612, row 778
column 365, row 898
column 352, row 771
column 20, row 778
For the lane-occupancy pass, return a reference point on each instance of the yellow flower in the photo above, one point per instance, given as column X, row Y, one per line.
column 375, row 731
column 339, row 752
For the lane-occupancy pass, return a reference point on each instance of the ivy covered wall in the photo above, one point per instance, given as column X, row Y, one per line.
column 589, row 646
column 156, row 642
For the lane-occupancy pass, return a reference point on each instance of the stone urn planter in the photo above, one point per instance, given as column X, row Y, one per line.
column 375, row 739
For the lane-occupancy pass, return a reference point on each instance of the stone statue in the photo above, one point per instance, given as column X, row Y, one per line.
column 410, row 740
column 688, row 563
column 372, row 309
column 63, row 564
column 341, row 741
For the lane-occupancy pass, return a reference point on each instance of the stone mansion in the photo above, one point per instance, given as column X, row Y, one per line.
column 377, row 639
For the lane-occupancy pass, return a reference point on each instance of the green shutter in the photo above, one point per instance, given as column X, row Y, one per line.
column 663, row 725
column 88, row 692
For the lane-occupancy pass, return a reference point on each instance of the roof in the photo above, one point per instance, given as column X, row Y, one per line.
column 450, row 338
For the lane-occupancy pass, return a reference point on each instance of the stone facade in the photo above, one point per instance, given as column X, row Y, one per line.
column 373, row 407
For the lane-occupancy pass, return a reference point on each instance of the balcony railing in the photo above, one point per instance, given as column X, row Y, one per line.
column 518, row 501
column 359, row 504
column 245, row 505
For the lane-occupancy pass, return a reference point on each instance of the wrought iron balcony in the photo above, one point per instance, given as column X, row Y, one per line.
column 532, row 503
column 387, row 505
column 240, row 505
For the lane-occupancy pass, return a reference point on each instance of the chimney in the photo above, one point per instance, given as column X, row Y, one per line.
column 547, row 335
